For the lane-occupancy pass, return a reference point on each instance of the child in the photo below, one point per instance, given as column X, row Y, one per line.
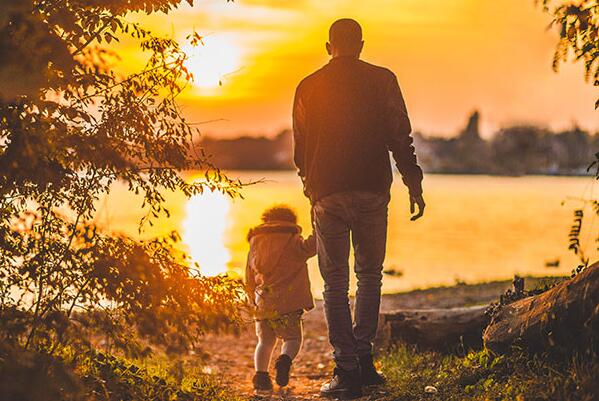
column 278, row 284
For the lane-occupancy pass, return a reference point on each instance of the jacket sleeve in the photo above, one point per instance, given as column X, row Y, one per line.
column 399, row 140
column 299, row 132
column 308, row 246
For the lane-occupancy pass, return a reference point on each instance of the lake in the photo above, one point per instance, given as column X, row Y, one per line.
column 476, row 228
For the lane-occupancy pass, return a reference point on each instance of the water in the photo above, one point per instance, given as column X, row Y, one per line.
column 476, row 228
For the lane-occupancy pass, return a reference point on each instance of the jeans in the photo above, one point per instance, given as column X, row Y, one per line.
column 364, row 215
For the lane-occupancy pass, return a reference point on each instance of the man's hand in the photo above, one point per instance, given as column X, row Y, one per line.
column 417, row 200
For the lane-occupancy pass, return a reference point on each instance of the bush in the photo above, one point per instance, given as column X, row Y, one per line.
column 66, row 135
column 73, row 375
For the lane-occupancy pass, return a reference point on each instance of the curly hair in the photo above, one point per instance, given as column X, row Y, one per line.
column 279, row 213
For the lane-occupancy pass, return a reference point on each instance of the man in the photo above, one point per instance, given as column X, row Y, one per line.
column 347, row 116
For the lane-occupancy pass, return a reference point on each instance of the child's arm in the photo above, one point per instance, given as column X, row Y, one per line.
column 308, row 246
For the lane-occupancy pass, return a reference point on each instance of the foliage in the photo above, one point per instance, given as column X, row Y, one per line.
column 576, row 228
column 484, row 376
column 123, row 289
column 36, row 376
column 578, row 23
column 109, row 378
column 75, row 375
column 518, row 292
column 579, row 35
column 69, row 128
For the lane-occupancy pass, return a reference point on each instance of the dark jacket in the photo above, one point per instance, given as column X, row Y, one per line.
column 347, row 116
column 276, row 274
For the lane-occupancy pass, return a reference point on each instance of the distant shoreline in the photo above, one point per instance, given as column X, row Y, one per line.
column 589, row 175
column 512, row 151
column 457, row 295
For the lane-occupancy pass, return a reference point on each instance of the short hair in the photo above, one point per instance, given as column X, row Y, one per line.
column 279, row 213
column 345, row 33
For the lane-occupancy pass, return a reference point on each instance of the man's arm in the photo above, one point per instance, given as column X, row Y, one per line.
column 299, row 122
column 400, row 143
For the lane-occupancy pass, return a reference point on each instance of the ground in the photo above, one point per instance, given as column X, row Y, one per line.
column 230, row 356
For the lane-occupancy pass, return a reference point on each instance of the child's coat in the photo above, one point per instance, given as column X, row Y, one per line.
column 276, row 272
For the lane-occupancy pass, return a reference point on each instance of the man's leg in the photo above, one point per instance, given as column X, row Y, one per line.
column 332, row 242
column 369, row 235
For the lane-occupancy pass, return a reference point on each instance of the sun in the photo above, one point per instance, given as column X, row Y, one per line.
column 212, row 61
column 204, row 230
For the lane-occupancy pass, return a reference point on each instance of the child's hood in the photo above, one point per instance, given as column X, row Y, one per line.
column 268, row 241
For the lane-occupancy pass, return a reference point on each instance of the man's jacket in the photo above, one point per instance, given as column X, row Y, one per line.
column 347, row 116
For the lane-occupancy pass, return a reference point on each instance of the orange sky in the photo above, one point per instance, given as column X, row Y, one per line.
column 450, row 57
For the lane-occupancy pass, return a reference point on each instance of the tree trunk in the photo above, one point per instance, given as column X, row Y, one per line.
column 437, row 329
column 564, row 317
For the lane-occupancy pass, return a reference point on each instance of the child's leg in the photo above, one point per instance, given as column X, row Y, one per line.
column 292, row 343
column 265, row 346
column 292, row 335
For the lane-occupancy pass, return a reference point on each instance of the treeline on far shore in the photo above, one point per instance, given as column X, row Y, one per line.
column 513, row 150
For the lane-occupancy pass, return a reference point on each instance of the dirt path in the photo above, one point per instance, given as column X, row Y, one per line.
column 230, row 357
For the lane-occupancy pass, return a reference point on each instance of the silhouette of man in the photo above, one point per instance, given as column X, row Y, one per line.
column 347, row 116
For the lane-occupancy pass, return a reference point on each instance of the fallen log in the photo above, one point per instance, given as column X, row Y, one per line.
column 565, row 316
column 435, row 329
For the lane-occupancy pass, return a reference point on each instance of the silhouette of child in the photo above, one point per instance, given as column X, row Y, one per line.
column 277, row 283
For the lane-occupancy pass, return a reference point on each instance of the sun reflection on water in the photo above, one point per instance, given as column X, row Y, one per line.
column 204, row 231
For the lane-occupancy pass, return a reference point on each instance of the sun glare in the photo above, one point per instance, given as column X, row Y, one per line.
column 212, row 61
column 204, row 230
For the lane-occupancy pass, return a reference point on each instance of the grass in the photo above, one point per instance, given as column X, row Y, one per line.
column 157, row 378
column 77, row 375
column 483, row 376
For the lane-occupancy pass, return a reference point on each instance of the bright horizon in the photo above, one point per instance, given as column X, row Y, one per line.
column 450, row 58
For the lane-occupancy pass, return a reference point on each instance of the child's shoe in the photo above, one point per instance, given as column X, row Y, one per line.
column 262, row 381
column 283, row 365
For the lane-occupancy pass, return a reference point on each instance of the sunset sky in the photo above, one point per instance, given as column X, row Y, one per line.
column 450, row 57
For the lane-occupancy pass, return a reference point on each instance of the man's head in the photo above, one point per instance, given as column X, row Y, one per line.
column 345, row 38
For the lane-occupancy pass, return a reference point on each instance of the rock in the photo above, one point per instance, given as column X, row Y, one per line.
column 431, row 390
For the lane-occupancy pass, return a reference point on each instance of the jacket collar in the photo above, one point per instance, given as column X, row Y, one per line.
column 275, row 227
column 343, row 59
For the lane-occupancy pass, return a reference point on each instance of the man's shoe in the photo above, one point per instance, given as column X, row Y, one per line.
column 344, row 385
column 262, row 381
column 282, row 366
column 368, row 373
